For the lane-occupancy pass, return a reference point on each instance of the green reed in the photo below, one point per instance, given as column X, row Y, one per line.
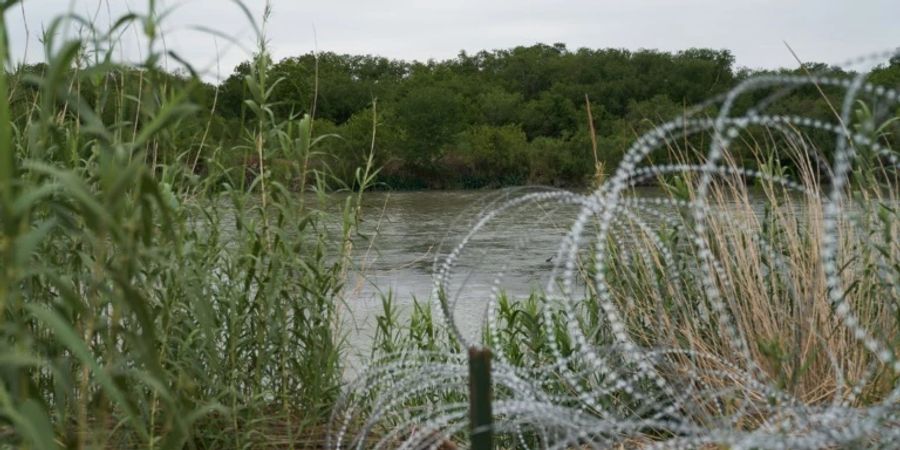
column 141, row 305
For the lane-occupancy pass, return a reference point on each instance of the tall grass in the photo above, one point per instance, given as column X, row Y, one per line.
column 142, row 306
column 771, row 273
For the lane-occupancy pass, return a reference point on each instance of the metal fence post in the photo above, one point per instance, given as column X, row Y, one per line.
column 480, row 415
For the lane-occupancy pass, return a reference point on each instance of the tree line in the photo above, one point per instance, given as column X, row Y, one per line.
column 504, row 117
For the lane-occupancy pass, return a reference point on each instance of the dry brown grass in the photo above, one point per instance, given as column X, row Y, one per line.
column 775, row 293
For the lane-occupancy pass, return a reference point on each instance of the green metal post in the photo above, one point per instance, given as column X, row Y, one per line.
column 480, row 416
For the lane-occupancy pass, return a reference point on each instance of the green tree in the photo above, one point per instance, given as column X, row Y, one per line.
column 486, row 155
column 429, row 117
column 549, row 115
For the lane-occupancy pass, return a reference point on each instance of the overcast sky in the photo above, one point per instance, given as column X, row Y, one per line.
column 754, row 30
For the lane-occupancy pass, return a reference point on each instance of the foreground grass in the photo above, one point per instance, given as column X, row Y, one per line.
column 141, row 306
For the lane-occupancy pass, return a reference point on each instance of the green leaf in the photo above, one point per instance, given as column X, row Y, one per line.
column 68, row 338
column 17, row 359
column 254, row 107
column 166, row 115
column 26, row 200
column 7, row 151
column 32, row 423
column 26, row 245
column 95, row 214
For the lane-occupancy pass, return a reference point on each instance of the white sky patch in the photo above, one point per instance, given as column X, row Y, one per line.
column 754, row 30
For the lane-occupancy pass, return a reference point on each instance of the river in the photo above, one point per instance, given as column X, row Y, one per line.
column 406, row 231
